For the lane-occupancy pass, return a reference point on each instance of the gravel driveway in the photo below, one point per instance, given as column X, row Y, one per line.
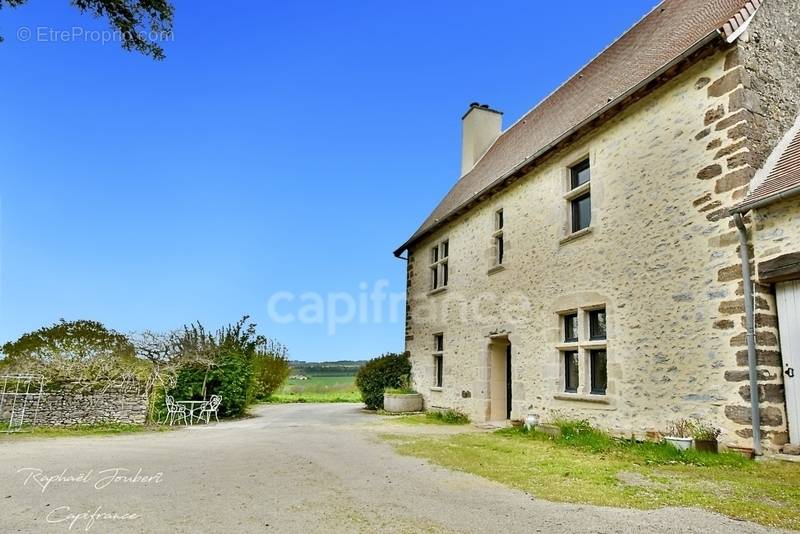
column 292, row 468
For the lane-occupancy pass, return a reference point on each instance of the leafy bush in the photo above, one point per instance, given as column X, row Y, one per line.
column 448, row 417
column 84, row 351
column 225, row 363
column 378, row 374
column 270, row 371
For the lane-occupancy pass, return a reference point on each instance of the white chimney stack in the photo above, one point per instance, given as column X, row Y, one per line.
column 480, row 126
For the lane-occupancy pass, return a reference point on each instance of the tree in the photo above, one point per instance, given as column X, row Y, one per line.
column 270, row 369
column 162, row 350
column 74, row 350
column 135, row 20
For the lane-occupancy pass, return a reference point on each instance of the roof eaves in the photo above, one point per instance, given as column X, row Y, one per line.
column 738, row 24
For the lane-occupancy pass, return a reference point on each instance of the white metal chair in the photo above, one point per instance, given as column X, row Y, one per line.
column 211, row 407
column 176, row 411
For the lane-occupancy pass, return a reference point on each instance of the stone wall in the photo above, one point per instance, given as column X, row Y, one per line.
column 750, row 108
column 71, row 404
column 770, row 53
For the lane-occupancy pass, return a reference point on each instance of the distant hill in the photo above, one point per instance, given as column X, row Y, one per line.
column 338, row 368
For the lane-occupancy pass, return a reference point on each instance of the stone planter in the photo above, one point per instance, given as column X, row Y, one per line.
column 682, row 444
column 402, row 402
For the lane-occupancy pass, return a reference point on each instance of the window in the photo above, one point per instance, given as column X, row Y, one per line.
column 438, row 360
column 581, row 212
column 597, row 324
column 583, row 351
column 597, row 365
column 571, row 373
column 579, row 196
column 499, row 243
column 571, row 328
column 580, row 174
column 439, row 270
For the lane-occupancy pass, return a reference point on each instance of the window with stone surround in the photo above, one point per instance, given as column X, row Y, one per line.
column 579, row 197
column 439, row 265
column 497, row 237
column 583, row 351
column 438, row 360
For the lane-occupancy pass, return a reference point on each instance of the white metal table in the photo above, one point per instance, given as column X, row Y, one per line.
column 192, row 406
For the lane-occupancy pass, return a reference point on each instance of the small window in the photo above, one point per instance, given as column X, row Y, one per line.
column 571, row 328
column 597, row 324
column 581, row 212
column 599, row 372
column 571, row 376
column 579, row 196
column 438, row 371
column 438, row 360
column 580, row 174
column 497, row 236
column 439, row 267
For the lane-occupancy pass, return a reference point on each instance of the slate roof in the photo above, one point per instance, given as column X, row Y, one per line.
column 668, row 32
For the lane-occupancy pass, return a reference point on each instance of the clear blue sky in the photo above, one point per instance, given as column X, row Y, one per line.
column 279, row 147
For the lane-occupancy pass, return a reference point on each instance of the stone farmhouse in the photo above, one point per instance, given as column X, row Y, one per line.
column 588, row 263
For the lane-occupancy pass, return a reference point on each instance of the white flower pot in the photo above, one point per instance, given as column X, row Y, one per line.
column 682, row 444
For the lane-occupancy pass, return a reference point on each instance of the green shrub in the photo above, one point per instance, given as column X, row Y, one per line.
column 448, row 417
column 230, row 377
column 378, row 374
column 270, row 371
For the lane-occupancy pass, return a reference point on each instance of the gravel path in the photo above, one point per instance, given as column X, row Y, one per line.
column 292, row 468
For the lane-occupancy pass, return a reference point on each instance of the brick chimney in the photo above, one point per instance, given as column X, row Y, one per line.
column 480, row 126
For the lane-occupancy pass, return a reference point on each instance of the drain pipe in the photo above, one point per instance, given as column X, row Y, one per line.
column 751, row 336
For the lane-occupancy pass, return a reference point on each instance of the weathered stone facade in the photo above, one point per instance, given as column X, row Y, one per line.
column 661, row 256
column 71, row 404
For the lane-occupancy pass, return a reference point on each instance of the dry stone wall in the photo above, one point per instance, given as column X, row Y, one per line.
column 75, row 403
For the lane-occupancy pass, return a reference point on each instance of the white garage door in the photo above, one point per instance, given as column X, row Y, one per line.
column 788, row 297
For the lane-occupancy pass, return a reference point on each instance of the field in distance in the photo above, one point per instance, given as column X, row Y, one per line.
column 321, row 382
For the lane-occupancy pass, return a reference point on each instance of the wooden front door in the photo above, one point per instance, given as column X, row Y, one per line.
column 788, row 298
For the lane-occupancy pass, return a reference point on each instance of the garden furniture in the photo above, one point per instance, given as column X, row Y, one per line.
column 211, row 407
column 175, row 411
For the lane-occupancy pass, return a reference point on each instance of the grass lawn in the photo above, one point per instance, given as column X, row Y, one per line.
column 592, row 468
column 319, row 389
column 81, row 430
column 432, row 418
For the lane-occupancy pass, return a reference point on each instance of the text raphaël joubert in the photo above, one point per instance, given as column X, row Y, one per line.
column 102, row 479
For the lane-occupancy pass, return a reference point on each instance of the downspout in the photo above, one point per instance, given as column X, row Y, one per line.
column 751, row 336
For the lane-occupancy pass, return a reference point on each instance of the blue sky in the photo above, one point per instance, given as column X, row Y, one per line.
column 280, row 147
